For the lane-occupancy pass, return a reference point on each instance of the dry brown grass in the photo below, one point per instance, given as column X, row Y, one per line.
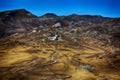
column 24, row 62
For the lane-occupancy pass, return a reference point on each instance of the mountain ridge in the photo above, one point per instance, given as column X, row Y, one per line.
column 21, row 20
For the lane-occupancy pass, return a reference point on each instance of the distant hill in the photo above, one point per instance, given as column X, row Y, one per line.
column 21, row 20
column 74, row 19
column 49, row 15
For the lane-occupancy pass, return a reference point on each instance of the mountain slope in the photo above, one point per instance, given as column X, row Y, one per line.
column 17, row 21
column 21, row 20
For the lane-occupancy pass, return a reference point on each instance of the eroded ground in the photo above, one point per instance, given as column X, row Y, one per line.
column 24, row 59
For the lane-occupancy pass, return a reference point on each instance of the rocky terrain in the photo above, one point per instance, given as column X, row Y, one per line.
column 51, row 47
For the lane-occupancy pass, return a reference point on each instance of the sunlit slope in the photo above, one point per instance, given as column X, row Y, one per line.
column 54, row 60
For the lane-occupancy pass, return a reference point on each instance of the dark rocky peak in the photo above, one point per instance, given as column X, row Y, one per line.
column 49, row 15
column 73, row 15
column 17, row 21
column 20, row 13
column 24, row 13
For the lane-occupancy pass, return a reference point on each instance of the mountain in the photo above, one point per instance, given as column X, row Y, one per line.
column 21, row 20
column 49, row 15
column 16, row 21
column 74, row 19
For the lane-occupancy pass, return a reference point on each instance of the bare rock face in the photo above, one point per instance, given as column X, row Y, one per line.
column 16, row 21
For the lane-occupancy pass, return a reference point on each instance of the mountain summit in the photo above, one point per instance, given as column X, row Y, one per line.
column 15, row 21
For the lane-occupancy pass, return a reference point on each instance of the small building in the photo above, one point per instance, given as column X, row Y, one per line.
column 53, row 38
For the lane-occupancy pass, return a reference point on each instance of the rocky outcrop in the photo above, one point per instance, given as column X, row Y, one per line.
column 16, row 21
